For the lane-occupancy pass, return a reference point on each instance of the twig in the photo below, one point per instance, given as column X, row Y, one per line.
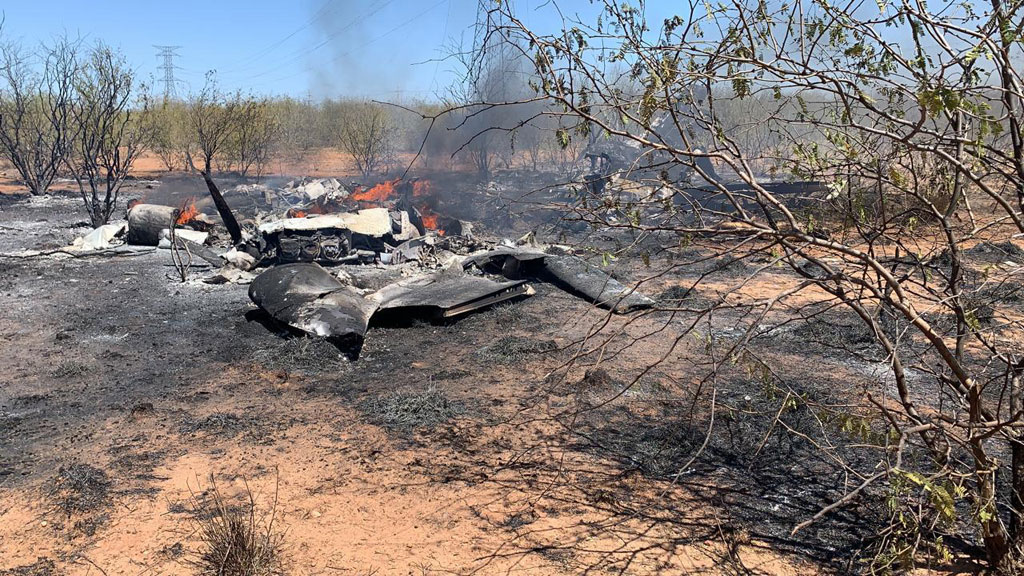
column 771, row 429
column 97, row 566
column 107, row 252
column 707, row 438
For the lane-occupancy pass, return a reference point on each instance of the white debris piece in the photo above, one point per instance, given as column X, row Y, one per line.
column 100, row 238
column 239, row 260
column 313, row 190
column 229, row 274
column 369, row 222
column 182, row 234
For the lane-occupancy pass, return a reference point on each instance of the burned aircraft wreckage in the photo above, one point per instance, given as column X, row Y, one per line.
column 430, row 267
column 433, row 267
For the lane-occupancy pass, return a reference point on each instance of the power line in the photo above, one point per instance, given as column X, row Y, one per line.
column 297, row 56
column 330, row 38
column 247, row 62
column 170, row 84
column 362, row 47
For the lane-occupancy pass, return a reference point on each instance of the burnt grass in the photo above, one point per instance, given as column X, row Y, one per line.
column 410, row 410
column 80, row 488
column 788, row 478
column 114, row 343
column 41, row 567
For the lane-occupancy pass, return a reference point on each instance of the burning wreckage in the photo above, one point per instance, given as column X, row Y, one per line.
column 423, row 265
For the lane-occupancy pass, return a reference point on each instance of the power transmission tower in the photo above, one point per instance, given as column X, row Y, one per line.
column 170, row 84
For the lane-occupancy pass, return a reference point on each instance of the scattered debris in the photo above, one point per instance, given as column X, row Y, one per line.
column 445, row 296
column 240, row 260
column 146, row 221
column 594, row 284
column 441, row 270
column 566, row 271
column 193, row 236
column 307, row 297
column 230, row 274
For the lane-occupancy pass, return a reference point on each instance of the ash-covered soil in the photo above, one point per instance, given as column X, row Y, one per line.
column 456, row 448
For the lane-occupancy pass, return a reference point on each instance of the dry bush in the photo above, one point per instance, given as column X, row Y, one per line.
column 408, row 410
column 236, row 539
column 80, row 488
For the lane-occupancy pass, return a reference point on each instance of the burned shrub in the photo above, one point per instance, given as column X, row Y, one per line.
column 683, row 296
column 654, row 445
column 598, row 378
column 994, row 252
column 80, row 488
column 235, row 539
column 69, row 369
column 836, row 330
column 408, row 410
column 219, row 423
column 302, row 355
column 41, row 567
column 508, row 314
column 89, row 525
column 512, row 349
column 450, row 374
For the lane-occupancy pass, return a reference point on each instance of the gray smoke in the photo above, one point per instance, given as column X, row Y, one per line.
column 348, row 33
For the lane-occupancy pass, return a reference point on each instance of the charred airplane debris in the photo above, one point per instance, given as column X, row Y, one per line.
column 315, row 239
column 307, row 297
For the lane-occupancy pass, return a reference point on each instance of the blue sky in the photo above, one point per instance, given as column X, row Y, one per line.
column 319, row 48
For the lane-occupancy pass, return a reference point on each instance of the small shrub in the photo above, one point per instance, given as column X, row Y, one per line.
column 235, row 540
column 42, row 567
column 68, row 369
column 406, row 410
column 81, row 488
column 512, row 349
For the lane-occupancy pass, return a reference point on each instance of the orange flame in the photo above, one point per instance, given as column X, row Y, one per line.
column 387, row 191
column 430, row 221
column 379, row 193
column 420, row 188
column 307, row 211
column 187, row 212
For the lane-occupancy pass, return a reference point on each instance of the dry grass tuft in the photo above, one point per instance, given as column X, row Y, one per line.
column 236, row 540
column 408, row 410
column 81, row 488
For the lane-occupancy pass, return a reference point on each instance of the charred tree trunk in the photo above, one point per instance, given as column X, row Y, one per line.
column 223, row 209
column 218, row 199
column 1017, row 460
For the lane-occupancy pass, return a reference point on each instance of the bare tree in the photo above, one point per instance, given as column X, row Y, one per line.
column 214, row 119
column 367, row 134
column 298, row 133
column 256, row 133
column 35, row 109
column 171, row 140
column 912, row 121
column 110, row 130
column 493, row 70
